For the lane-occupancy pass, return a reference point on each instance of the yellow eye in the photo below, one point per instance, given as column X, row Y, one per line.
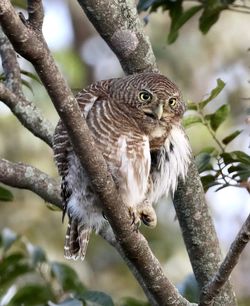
column 172, row 102
column 145, row 96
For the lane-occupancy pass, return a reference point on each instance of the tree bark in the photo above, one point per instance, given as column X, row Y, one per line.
column 134, row 51
column 26, row 37
column 132, row 47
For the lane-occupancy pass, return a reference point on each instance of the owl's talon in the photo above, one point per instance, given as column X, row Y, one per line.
column 104, row 216
column 147, row 214
column 136, row 221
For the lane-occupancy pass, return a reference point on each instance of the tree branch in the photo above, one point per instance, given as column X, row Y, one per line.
column 27, row 177
column 213, row 287
column 36, row 14
column 118, row 24
column 11, row 94
column 199, row 234
column 189, row 198
column 29, row 42
column 10, row 65
column 28, row 114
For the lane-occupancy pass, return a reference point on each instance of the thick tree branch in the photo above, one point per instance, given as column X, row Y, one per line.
column 189, row 198
column 27, row 177
column 134, row 245
column 199, row 234
column 117, row 22
column 11, row 94
column 213, row 287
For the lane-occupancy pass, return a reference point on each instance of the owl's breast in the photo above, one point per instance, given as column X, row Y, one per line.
column 169, row 162
column 134, row 168
column 124, row 147
column 158, row 136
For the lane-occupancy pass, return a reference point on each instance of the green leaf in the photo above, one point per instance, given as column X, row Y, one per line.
column 133, row 302
column 20, row 3
column 178, row 22
column 217, row 118
column 8, row 237
column 52, row 207
column 231, row 137
column 211, row 150
column 96, row 298
column 5, row 194
column 67, row 277
column 208, row 181
column 27, row 84
column 191, row 120
column 11, row 267
column 214, row 93
column 210, row 15
column 31, row 75
column 192, row 106
column 242, row 157
column 228, row 158
column 68, row 302
column 236, row 156
column 32, row 295
column 203, row 162
column 242, row 171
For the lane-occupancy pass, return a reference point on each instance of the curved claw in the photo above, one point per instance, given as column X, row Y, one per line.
column 148, row 220
column 136, row 221
column 147, row 214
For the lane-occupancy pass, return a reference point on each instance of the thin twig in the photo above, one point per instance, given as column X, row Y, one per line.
column 213, row 287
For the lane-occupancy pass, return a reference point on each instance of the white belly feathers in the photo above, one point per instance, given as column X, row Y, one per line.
column 134, row 170
column 172, row 163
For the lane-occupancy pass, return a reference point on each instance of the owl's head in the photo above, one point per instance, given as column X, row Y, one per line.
column 151, row 95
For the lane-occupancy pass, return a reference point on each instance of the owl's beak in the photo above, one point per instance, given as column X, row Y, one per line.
column 158, row 111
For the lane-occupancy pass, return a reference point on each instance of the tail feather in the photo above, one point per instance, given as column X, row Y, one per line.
column 76, row 240
column 83, row 236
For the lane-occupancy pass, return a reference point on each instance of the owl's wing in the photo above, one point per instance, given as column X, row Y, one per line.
column 61, row 143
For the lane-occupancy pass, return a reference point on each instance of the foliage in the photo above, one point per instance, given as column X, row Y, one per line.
column 28, row 277
column 24, row 76
column 5, row 194
column 210, row 13
column 216, row 165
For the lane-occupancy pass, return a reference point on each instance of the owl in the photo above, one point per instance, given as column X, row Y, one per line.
column 135, row 122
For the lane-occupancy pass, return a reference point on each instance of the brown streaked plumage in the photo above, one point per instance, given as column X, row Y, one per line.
column 135, row 122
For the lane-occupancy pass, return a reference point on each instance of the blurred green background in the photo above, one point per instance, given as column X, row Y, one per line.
column 194, row 62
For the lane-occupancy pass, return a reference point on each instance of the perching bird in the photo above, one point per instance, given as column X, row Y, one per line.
column 135, row 122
